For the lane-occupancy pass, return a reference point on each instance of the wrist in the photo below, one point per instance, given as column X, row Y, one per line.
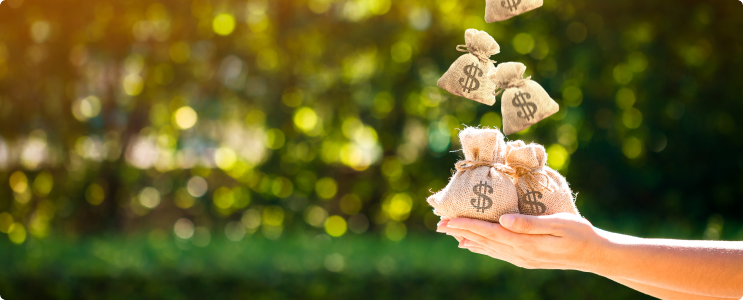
column 603, row 253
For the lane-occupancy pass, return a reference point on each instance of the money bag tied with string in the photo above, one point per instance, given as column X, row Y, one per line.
column 541, row 190
column 479, row 189
column 468, row 75
column 499, row 10
column 524, row 102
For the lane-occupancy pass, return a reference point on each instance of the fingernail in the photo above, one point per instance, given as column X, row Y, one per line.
column 507, row 220
column 442, row 223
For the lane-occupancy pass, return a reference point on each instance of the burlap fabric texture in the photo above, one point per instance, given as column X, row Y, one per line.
column 541, row 190
column 479, row 189
column 524, row 102
column 468, row 75
column 499, row 10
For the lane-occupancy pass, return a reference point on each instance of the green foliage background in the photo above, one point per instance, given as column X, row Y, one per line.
column 320, row 132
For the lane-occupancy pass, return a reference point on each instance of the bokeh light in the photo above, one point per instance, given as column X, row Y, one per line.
column 17, row 233
column 18, row 182
column 523, row 43
column 305, row 119
column 334, row 262
column 632, row 147
column 185, row 117
column 235, row 231
column 395, row 231
column 95, row 194
column 197, row 186
column 86, row 108
column 326, row 188
column 350, row 204
column 184, row 228
column 315, row 216
column 251, row 218
column 225, row 158
column 223, row 24
column 335, row 226
column 557, row 156
column 149, row 197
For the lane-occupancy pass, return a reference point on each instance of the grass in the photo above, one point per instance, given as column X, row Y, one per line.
column 363, row 267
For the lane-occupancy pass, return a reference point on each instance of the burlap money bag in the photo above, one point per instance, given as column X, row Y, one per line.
column 468, row 75
column 479, row 189
column 524, row 102
column 541, row 190
column 499, row 10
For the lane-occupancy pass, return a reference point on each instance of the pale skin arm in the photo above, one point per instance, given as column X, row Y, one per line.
column 565, row 241
column 643, row 288
column 663, row 293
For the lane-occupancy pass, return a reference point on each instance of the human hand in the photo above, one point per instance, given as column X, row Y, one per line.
column 559, row 241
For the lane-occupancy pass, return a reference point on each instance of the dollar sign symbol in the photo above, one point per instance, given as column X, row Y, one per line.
column 482, row 202
column 530, row 199
column 471, row 83
column 527, row 108
column 511, row 4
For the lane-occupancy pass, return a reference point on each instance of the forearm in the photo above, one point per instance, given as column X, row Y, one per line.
column 663, row 293
column 704, row 268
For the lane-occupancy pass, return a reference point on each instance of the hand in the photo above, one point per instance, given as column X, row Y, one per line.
column 560, row 241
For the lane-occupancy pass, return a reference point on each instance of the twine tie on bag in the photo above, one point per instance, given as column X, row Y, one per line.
column 463, row 165
column 521, row 171
column 519, row 82
column 481, row 56
column 517, row 172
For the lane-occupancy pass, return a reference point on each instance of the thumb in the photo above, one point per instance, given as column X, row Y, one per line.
column 529, row 224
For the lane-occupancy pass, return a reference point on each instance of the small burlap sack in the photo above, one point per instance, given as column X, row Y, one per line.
column 524, row 102
column 499, row 10
column 541, row 190
column 468, row 75
column 479, row 189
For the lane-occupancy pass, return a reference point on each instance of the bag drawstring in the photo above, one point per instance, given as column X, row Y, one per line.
column 477, row 54
column 518, row 172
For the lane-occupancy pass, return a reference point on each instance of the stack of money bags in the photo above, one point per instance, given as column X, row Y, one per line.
column 495, row 177
column 474, row 77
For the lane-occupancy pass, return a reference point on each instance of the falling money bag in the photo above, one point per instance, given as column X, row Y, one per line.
column 468, row 75
column 479, row 189
column 541, row 190
column 499, row 10
column 524, row 102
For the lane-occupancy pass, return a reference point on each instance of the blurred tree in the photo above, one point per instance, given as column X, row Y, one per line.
column 290, row 121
